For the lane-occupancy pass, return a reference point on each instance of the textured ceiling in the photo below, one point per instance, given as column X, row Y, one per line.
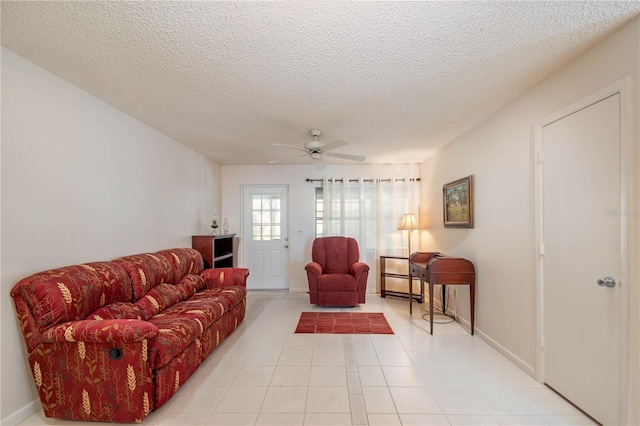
column 229, row 79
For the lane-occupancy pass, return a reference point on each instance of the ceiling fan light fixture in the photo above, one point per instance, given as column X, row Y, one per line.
column 314, row 145
column 317, row 150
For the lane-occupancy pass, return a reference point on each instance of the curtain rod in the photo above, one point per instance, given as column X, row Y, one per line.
column 365, row 180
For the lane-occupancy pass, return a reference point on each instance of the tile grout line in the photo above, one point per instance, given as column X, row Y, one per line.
column 356, row 398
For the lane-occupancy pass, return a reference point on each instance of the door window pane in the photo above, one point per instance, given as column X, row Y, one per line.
column 266, row 217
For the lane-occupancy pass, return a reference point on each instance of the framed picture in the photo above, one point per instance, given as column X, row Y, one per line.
column 457, row 203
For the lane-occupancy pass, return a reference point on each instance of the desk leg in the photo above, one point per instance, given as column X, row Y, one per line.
column 472, row 291
column 410, row 292
column 444, row 299
column 431, row 306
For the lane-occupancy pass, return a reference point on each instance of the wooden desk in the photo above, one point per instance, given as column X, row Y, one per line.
column 437, row 268
column 384, row 274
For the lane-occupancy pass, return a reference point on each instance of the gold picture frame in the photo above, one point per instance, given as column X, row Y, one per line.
column 457, row 203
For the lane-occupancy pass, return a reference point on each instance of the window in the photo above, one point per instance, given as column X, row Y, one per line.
column 348, row 209
column 369, row 212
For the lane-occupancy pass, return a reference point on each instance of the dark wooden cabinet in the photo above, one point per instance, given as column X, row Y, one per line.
column 216, row 250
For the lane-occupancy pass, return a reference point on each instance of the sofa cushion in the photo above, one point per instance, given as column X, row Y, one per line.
column 73, row 292
column 174, row 334
column 228, row 296
column 183, row 261
column 189, row 285
column 206, row 311
column 158, row 299
column 145, row 272
column 182, row 323
column 117, row 310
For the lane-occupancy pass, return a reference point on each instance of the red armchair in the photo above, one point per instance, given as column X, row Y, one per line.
column 336, row 275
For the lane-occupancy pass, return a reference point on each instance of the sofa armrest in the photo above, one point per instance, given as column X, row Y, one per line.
column 225, row 277
column 101, row 331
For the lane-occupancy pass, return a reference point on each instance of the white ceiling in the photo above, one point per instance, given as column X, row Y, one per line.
column 397, row 79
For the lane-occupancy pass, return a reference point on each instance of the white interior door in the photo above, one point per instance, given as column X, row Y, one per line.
column 581, row 235
column 265, row 238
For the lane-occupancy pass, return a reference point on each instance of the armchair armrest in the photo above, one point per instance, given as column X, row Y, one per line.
column 225, row 277
column 314, row 269
column 358, row 269
column 101, row 331
column 360, row 272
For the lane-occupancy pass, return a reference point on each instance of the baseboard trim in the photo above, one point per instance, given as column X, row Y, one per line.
column 504, row 351
column 21, row 414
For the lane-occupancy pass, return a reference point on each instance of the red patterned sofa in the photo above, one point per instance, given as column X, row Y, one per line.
column 112, row 341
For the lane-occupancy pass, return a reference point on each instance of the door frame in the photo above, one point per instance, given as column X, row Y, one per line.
column 620, row 87
column 243, row 231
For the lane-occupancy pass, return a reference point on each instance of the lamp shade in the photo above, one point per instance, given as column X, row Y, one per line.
column 408, row 222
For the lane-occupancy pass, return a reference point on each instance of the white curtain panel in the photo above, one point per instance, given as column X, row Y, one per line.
column 370, row 210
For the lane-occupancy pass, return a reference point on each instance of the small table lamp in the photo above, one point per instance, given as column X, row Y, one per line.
column 408, row 223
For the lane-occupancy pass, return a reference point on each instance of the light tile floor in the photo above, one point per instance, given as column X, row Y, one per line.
column 264, row 374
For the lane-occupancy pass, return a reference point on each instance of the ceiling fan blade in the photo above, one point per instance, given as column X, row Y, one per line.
column 287, row 158
column 347, row 156
column 335, row 144
column 291, row 146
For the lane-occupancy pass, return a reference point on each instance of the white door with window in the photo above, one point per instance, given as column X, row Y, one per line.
column 582, row 262
column 265, row 238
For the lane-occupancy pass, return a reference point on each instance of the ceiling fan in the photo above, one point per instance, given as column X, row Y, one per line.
column 315, row 149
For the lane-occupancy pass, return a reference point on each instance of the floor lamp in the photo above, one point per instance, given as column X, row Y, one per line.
column 408, row 223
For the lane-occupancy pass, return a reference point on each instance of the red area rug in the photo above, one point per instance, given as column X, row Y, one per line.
column 343, row 323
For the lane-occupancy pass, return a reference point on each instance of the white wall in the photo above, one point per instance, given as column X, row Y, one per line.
column 82, row 181
column 301, row 201
column 499, row 153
